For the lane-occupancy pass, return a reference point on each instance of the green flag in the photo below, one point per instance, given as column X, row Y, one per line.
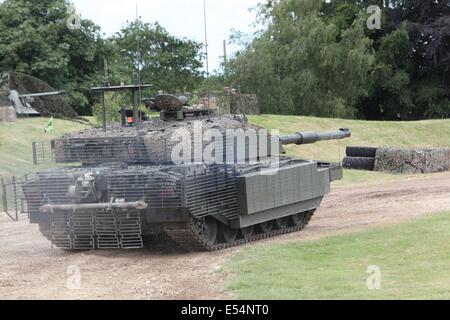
column 49, row 127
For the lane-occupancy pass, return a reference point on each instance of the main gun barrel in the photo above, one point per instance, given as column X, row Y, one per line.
column 313, row 137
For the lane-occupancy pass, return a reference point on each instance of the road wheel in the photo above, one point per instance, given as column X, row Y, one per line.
column 266, row 227
column 298, row 219
column 228, row 234
column 282, row 223
column 248, row 232
column 302, row 219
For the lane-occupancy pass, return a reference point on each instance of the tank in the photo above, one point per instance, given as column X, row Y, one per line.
column 131, row 185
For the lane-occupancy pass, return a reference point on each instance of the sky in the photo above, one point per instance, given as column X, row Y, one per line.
column 182, row 18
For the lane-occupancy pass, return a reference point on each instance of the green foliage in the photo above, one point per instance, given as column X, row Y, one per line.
column 169, row 63
column 311, row 57
column 35, row 39
column 213, row 84
column 304, row 65
column 114, row 102
column 342, row 14
column 317, row 58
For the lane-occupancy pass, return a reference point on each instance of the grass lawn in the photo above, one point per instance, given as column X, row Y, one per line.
column 413, row 258
column 15, row 143
column 433, row 133
column 16, row 139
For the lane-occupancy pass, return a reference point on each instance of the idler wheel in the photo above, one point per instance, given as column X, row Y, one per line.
column 266, row 227
column 228, row 234
column 207, row 229
column 282, row 223
column 248, row 232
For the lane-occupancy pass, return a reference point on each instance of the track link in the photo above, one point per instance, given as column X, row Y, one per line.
column 187, row 236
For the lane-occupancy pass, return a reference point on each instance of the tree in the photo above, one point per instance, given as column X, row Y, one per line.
column 413, row 59
column 391, row 97
column 318, row 58
column 169, row 63
column 35, row 39
column 304, row 64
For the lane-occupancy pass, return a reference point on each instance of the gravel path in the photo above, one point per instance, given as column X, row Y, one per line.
column 30, row 269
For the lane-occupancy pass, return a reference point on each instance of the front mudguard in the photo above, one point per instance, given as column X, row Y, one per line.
column 336, row 170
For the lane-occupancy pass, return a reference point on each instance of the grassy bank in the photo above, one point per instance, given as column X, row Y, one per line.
column 412, row 257
column 16, row 139
column 15, row 143
column 433, row 133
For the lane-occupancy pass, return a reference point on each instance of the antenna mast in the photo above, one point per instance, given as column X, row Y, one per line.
column 206, row 48
column 138, row 53
column 206, row 39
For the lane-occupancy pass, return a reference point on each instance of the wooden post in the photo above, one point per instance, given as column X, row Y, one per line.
column 15, row 198
column 5, row 200
column 35, row 161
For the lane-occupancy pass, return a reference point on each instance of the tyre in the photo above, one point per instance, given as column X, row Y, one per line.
column 359, row 163
column 248, row 232
column 362, row 152
column 227, row 234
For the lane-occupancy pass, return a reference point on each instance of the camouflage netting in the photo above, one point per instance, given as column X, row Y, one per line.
column 4, row 90
column 412, row 161
column 226, row 104
column 55, row 106
column 157, row 125
column 160, row 144
column 7, row 112
column 156, row 135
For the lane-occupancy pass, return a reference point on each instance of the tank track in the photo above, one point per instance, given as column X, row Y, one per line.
column 187, row 236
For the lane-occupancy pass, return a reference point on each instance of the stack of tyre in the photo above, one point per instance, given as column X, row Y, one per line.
column 360, row 158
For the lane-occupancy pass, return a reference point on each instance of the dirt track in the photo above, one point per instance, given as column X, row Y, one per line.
column 29, row 269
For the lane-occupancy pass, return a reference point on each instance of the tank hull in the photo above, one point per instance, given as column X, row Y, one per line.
column 199, row 206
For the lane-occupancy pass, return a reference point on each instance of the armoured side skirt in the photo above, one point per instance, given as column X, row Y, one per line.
column 168, row 215
column 276, row 213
